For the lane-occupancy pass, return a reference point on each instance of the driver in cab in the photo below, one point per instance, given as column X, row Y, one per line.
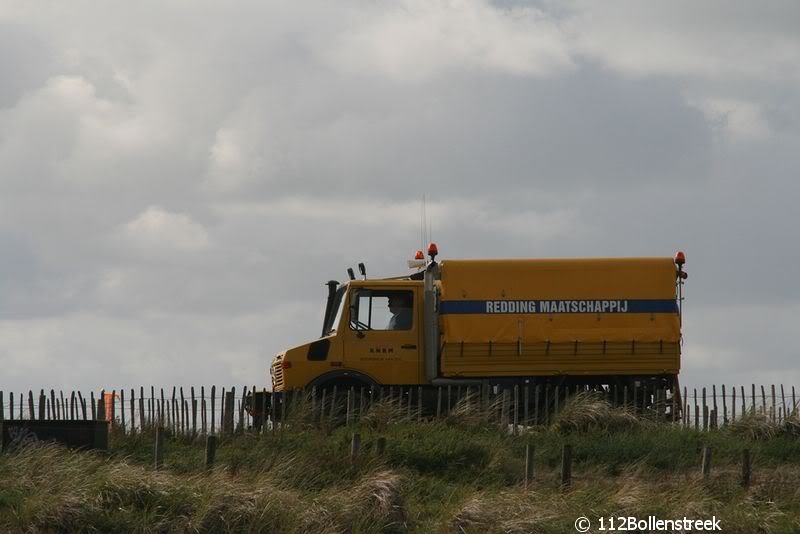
column 400, row 308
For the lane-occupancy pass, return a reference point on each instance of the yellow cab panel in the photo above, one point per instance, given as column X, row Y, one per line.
column 299, row 366
column 382, row 335
column 364, row 339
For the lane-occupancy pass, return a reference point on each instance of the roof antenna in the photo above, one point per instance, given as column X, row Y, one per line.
column 430, row 229
column 422, row 223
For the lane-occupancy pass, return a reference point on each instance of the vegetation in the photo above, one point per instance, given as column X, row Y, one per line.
column 457, row 474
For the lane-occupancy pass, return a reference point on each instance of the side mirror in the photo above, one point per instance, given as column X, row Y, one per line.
column 363, row 270
column 350, row 273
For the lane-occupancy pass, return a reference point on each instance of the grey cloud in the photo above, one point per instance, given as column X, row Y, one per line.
column 25, row 60
column 278, row 168
column 480, row 134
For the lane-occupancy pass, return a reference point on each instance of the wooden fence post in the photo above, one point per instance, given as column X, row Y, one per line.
column 211, row 451
column 705, row 412
column 347, row 407
column 264, row 408
column 774, row 408
column 450, row 397
column 361, row 405
column 284, row 396
column 101, row 406
column 419, row 403
column 204, row 415
column 744, row 401
column 355, row 448
column 525, row 403
column 213, row 408
column 194, row 411
column 674, row 399
column 227, row 425
column 141, row 409
column 112, row 409
column 706, row 466
column 333, row 404
column 163, row 408
column 547, row 405
column 121, row 407
column 783, row 401
column 504, row 411
column 528, row 465
column 241, row 410
column 313, row 404
column 321, row 407
column 746, row 472
column 184, row 418
column 566, row 467
column 557, row 398
column 714, row 405
column 159, row 448
column 724, row 407
column 133, row 415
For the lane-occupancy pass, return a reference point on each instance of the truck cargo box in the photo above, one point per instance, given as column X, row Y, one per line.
column 559, row 316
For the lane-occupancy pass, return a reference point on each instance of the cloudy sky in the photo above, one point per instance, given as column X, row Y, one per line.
column 179, row 179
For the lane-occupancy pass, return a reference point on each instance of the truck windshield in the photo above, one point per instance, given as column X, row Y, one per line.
column 336, row 311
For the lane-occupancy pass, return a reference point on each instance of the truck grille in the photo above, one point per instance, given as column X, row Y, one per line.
column 277, row 375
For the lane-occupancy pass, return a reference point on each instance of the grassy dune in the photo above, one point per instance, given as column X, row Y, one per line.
column 460, row 474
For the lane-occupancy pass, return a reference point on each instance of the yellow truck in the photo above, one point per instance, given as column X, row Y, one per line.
column 571, row 322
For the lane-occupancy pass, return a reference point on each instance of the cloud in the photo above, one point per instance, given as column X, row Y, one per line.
column 715, row 40
column 25, row 59
column 159, row 230
column 737, row 119
column 416, row 39
column 176, row 186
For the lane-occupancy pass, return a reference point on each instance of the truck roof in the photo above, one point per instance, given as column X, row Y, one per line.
column 603, row 278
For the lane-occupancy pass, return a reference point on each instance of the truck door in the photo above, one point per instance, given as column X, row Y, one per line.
column 383, row 337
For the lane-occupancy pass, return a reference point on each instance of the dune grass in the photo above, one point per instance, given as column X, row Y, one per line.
column 457, row 474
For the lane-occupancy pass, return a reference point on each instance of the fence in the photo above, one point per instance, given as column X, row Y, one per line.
column 203, row 411
column 190, row 412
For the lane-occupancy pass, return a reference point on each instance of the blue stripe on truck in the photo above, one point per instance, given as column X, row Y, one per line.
column 557, row 306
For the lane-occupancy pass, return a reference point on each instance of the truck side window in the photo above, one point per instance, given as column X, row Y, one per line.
column 382, row 310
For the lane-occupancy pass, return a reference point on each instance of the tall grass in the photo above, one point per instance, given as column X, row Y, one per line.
column 590, row 411
column 462, row 473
